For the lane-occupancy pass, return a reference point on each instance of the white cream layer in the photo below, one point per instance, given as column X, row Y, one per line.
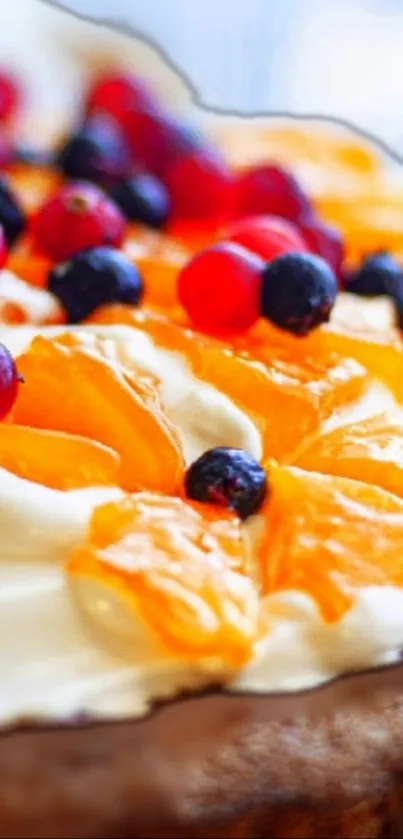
column 58, row 658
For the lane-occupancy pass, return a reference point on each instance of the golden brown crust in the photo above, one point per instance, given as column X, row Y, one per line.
column 324, row 763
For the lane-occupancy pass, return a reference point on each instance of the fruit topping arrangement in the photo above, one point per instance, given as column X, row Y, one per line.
column 144, row 271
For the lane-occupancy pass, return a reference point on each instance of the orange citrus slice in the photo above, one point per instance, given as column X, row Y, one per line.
column 71, row 388
column 370, row 451
column 56, row 459
column 174, row 567
column 271, row 388
column 329, row 537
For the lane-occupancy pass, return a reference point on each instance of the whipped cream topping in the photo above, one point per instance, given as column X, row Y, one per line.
column 72, row 647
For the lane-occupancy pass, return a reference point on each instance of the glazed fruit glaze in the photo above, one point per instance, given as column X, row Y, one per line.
column 200, row 391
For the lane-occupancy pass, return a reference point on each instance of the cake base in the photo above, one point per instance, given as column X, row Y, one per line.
column 328, row 762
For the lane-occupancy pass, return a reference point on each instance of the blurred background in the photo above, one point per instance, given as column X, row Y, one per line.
column 303, row 56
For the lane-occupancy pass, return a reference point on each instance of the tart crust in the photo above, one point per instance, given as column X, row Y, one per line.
column 328, row 762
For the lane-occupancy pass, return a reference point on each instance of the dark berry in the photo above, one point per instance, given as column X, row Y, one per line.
column 9, row 381
column 142, row 198
column 96, row 152
column 266, row 189
column 220, row 288
column 268, row 236
column 298, row 292
column 375, row 276
column 228, row 477
column 325, row 241
column 79, row 216
column 12, row 218
column 92, row 278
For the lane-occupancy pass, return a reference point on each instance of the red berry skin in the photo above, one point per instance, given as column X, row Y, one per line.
column 3, row 248
column 157, row 141
column 267, row 236
column 200, row 186
column 120, row 95
column 9, row 382
column 325, row 241
column 10, row 96
column 220, row 288
column 269, row 190
column 78, row 217
column 6, row 150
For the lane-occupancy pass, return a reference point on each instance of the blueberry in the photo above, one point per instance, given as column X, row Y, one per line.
column 298, row 292
column 96, row 152
column 375, row 275
column 12, row 218
column 228, row 477
column 142, row 198
column 93, row 277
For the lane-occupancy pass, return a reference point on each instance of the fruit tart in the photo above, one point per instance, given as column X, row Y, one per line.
column 201, row 467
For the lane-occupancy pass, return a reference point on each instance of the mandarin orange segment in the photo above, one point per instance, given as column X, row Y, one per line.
column 159, row 259
column 328, row 537
column 362, row 332
column 369, row 451
column 272, row 384
column 55, row 459
column 331, row 379
column 31, row 267
column 174, row 569
column 71, row 388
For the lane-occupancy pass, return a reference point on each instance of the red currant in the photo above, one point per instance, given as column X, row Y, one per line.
column 220, row 288
column 324, row 241
column 269, row 190
column 6, row 150
column 200, row 185
column 268, row 236
column 78, row 217
column 157, row 141
column 3, row 248
column 9, row 381
column 10, row 96
column 120, row 95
